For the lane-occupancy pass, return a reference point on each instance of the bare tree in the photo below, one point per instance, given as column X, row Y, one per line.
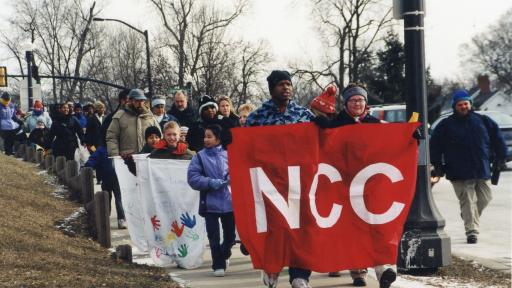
column 189, row 24
column 350, row 28
column 491, row 51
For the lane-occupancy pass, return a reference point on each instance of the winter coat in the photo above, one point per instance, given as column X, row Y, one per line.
column 81, row 119
column 186, row 117
column 63, row 134
column 269, row 114
column 163, row 151
column 33, row 118
column 126, row 131
column 93, row 131
column 465, row 143
column 234, row 121
column 213, row 165
column 100, row 162
column 195, row 135
column 8, row 119
column 343, row 118
column 39, row 136
column 165, row 119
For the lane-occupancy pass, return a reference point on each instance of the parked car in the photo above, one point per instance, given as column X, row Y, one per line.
column 503, row 120
column 389, row 113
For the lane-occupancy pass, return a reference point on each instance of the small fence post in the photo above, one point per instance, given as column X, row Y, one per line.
column 70, row 173
column 48, row 163
column 29, row 153
column 87, row 184
column 21, row 151
column 60, row 164
column 39, row 157
column 101, row 209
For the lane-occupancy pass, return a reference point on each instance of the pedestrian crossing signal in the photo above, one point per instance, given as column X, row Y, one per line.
column 3, row 76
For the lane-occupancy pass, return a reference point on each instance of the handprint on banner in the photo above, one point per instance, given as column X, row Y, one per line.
column 177, row 229
column 183, row 249
column 192, row 235
column 187, row 221
column 171, row 237
column 155, row 222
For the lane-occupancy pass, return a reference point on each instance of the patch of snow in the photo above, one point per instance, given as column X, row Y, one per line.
column 65, row 223
column 181, row 282
column 42, row 172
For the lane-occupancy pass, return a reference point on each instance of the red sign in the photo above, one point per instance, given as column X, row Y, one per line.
column 322, row 199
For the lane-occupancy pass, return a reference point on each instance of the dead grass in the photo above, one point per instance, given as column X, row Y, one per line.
column 34, row 253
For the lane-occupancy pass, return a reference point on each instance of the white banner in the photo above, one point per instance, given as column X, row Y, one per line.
column 132, row 204
column 174, row 230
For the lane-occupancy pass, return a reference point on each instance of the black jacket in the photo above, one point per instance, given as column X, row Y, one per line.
column 64, row 133
column 93, row 131
column 186, row 117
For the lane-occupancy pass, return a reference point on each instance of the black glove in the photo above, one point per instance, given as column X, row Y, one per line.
column 418, row 134
column 438, row 171
column 321, row 121
column 128, row 160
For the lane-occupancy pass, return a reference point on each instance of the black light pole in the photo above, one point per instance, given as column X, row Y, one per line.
column 148, row 55
column 424, row 245
column 30, row 88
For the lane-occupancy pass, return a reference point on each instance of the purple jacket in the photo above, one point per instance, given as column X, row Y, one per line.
column 214, row 166
column 7, row 116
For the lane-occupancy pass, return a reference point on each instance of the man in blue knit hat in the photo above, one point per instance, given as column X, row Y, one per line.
column 461, row 147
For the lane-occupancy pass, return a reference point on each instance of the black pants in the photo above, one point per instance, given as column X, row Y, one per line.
column 9, row 137
column 220, row 252
column 112, row 187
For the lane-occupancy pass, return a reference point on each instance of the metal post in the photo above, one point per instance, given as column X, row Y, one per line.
column 28, row 57
column 424, row 246
column 148, row 65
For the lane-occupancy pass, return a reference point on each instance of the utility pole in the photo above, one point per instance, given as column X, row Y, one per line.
column 424, row 245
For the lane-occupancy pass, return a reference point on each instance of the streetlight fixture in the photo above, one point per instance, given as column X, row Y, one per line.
column 148, row 55
column 29, row 57
column 424, row 246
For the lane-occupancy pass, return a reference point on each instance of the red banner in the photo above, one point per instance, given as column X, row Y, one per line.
column 322, row 199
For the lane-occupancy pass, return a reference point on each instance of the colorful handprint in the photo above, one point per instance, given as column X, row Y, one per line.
column 187, row 221
column 183, row 249
column 177, row 229
column 155, row 222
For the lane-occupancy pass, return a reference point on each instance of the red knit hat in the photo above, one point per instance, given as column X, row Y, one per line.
column 38, row 104
column 326, row 101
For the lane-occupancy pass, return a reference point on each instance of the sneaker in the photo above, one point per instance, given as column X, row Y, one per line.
column 121, row 224
column 269, row 279
column 334, row 274
column 243, row 250
column 300, row 283
column 387, row 277
column 359, row 282
column 219, row 273
column 472, row 239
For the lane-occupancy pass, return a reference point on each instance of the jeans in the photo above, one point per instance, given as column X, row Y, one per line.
column 220, row 252
column 112, row 187
column 299, row 273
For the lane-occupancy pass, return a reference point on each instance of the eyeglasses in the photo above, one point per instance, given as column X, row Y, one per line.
column 358, row 101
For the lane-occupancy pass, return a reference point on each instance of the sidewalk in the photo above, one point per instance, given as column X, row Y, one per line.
column 493, row 249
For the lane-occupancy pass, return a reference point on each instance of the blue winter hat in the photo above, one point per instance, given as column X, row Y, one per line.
column 137, row 94
column 277, row 76
column 460, row 95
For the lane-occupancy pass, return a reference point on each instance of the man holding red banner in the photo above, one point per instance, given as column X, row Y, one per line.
column 281, row 110
column 355, row 99
column 365, row 188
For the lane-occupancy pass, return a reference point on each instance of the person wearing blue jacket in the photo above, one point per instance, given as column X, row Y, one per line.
column 105, row 173
column 208, row 173
column 10, row 125
column 462, row 147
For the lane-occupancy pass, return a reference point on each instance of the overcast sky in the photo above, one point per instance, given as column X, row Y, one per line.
column 289, row 28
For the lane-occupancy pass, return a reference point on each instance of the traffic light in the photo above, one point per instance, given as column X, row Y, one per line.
column 3, row 76
column 35, row 74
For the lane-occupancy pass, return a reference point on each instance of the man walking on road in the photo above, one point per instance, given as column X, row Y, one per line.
column 281, row 110
column 463, row 146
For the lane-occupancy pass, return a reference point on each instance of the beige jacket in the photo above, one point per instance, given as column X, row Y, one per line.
column 126, row 132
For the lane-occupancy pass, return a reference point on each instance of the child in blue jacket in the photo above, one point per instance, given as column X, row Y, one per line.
column 105, row 173
column 208, row 173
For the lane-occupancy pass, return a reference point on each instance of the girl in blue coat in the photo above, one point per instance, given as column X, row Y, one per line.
column 208, row 173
